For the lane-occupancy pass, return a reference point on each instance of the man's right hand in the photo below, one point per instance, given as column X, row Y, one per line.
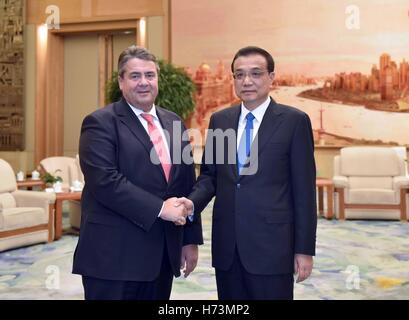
column 188, row 204
column 173, row 212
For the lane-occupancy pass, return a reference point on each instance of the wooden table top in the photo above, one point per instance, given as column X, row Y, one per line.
column 324, row 182
column 68, row 195
column 30, row 183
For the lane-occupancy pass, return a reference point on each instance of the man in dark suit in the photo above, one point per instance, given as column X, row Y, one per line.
column 264, row 215
column 133, row 239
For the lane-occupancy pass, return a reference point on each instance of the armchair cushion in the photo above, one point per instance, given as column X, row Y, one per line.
column 375, row 196
column 369, row 161
column 340, row 182
column 401, row 182
column 16, row 218
column 26, row 198
column 7, row 200
column 8, row 180
column 360, row 182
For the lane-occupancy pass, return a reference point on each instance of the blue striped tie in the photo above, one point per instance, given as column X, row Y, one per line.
column 245, row 143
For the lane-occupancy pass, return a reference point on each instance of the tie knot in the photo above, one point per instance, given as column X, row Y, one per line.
column 148, row 117
column 250, row 116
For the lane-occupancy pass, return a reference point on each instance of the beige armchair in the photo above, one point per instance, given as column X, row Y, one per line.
column 26, row 217
column 75, row 206
column 52, row 164
column 69, row 172
column 371, row 183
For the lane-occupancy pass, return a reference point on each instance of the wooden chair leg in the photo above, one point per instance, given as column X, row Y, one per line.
column 50, row 223
column 330, row 202
column 341, row 199
column 403, row 216
column 320, row 200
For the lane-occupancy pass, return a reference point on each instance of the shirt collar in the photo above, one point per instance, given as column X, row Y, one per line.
column 258, row 112
column 138, row 112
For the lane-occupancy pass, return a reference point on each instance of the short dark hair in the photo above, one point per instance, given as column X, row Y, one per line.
column 134, row 52
column 250, row 50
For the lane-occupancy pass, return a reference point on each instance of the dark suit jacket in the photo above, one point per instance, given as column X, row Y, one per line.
column 270, row 215
column 121, row 236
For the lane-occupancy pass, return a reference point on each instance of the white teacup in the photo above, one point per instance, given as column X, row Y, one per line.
column 35, row 175
column 57, row 187
column 20, row 176
column 77, row 185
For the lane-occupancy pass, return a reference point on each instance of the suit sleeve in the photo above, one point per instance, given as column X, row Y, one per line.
column 98, row 158
column 192, row 232
column 303, row 175
column 205, row 187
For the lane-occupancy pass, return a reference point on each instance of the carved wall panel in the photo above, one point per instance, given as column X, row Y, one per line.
column 11, row 75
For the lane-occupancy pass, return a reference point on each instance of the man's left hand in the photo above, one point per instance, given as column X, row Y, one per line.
column 190, row 255
column 303, row 266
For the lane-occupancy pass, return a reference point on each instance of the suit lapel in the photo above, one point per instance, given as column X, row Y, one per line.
column 271, row 121
column 129, row 118
column 232, row 123
column 126, row 116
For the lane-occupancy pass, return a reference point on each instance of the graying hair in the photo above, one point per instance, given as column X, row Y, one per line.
column 134, row 52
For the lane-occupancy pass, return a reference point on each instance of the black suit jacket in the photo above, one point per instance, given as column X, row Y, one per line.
column 270, row 215
column 121, row 236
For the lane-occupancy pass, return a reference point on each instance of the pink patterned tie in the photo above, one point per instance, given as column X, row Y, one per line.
column 159, row 145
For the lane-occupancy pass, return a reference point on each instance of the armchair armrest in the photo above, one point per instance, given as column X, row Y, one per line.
column 33, row 198
column 401, row 182
column 340, row 182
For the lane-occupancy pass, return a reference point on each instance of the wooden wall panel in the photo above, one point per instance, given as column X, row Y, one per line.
column 49, row 96
column 105, row 56
column 40, row 128
column 93, row 10
column 55, row 96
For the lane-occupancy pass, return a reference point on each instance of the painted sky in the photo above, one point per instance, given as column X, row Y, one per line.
column 307, row 37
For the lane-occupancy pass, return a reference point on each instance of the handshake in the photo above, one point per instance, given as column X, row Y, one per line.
column 176, row 210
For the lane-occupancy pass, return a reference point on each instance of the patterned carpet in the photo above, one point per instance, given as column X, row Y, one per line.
column 355, row 260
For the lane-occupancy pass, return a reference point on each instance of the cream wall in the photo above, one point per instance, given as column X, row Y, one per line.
column 155, row 36
column 324, row 158
column 80, row 86
column 121, row 42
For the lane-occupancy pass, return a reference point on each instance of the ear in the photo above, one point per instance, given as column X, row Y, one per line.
column 271, row 76
column 120, row 82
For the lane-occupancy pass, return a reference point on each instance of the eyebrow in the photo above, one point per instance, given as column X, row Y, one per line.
column 139, row 72
column 255, row 68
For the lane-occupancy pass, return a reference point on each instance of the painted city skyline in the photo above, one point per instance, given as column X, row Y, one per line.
column 311, row 38
column 312, row 42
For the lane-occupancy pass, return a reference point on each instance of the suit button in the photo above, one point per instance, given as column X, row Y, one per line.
column 238, row 186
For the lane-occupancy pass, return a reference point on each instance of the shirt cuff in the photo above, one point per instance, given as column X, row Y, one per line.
column 192, row 215
column 161, row 209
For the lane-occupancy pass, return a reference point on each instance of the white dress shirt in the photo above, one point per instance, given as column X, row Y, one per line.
column 258, row 114
column 156, row 121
